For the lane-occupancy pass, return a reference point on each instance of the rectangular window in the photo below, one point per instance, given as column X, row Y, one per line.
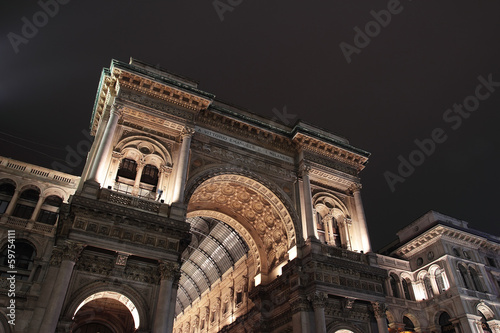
column 239, row 297
column 3, row 206
column 23, row 211
column 47, row 217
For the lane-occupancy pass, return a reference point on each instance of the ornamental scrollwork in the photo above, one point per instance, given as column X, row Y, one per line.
column 169, row 270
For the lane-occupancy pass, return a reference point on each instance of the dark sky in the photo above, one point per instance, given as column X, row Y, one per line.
column 263, row 55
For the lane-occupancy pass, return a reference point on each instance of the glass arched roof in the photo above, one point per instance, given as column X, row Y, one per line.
column 215, row 247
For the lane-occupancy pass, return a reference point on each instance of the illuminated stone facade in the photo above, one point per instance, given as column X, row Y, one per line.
column 194, row 216
column 443, row 277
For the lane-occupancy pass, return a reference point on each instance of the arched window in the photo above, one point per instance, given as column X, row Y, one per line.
column 406, row 288
column 6, row 192
column 428, row 287
column 463, row 274
column 25, row 253
column 484, row 323
column 475, row 279
column 440, row 281
column 127, row 170
column 149, row 175
column 393, row 280
column 409, row 327
column 445, row 323
column 49, row 212
column 26, row 203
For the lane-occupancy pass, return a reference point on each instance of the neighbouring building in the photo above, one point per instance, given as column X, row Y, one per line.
column 192, row 216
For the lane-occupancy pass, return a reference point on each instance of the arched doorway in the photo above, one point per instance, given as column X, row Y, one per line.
column 445, row 323
column 106, row 312
column 409, row 326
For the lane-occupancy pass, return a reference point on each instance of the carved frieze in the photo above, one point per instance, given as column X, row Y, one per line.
column 216, row 154
column 121, row 232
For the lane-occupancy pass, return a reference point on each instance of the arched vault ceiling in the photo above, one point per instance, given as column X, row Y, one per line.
column 255, row 208
column 215, row 247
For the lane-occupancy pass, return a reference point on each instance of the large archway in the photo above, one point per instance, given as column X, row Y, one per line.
column 253, row 210
column 242, row 234
column 106, row 312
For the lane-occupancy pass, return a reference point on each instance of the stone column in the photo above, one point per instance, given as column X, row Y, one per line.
column 37, row 208
column 113, row 168
column 363, row 229
column 379, row 311
column 330, row 239
column 344, row 233
column 12, row 203
column 173, row 299
column 138, row 175
column 319, row 304
column 306, row 202
column 300, row 316
column 164, row 308
column 182, row 166
column 98, row 168
column 65, row 257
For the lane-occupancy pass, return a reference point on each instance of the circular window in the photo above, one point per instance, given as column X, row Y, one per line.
column 420, row 261
column 430, row 255
column 466, row 254
column 455, row 252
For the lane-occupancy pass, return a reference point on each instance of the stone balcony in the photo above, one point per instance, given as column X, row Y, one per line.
column 29, row 225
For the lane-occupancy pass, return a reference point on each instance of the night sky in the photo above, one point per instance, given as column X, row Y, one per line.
column 395, row 82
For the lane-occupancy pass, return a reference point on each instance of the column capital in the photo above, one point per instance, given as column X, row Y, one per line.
column 318, row 300
column 169, row 270
column 166, row 169
column 68, row 251
column 355, row 187
column 116, row 154
column 379, row 309
column 304, row 169
column 300, row 304
column 187, row 132
column 72, row 250
column 117, row 109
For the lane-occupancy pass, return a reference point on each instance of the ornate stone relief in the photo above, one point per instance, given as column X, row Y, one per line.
column 244, row 203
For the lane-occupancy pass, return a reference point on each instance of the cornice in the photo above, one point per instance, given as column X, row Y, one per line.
column 162, row 91
column 350, row 156
column 250, row 132
column 444, row 232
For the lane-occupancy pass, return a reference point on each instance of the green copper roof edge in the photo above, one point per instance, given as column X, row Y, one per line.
column 121, row 64
column 104, row 73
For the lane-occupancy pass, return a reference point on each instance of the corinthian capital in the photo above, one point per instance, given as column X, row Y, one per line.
column 304, row 169
column 187, row 132
column 117, row 109
column 169, row 270
column 354, row 187
column 379, row 309
column 318, row 300
column 72, row 250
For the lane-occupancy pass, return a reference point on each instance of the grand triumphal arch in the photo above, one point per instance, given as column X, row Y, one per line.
column 194, row 216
